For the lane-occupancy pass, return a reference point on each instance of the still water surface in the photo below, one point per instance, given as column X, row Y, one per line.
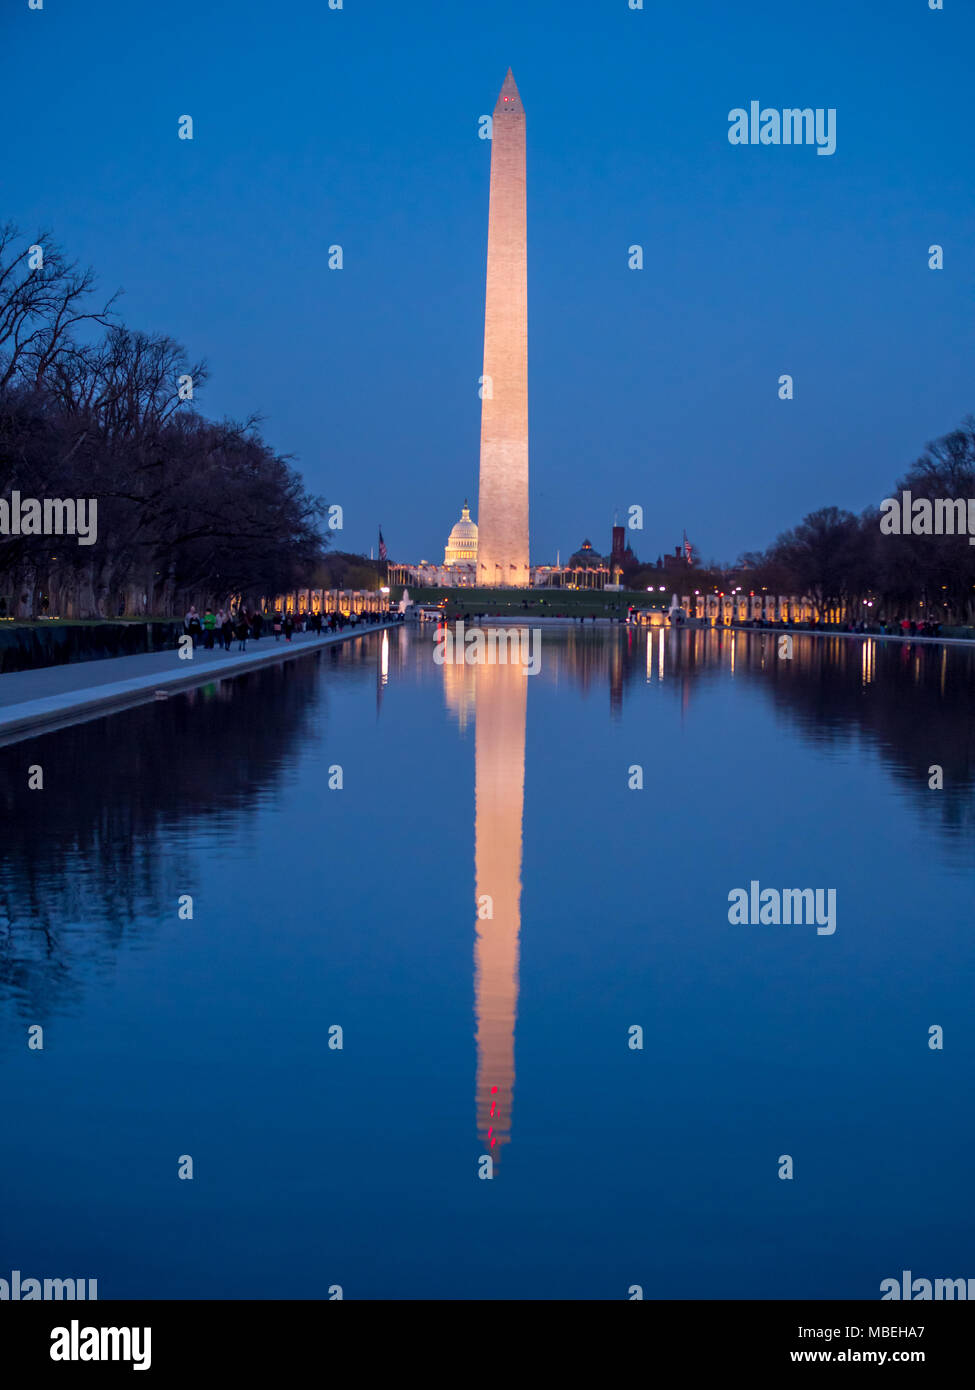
column 509, row 1034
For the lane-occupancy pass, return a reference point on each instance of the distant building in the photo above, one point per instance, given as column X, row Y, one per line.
column 586, row 569
column 459, row 568
column 586, row 556
column 617, row 554
column 461, row 547
column 678, row 561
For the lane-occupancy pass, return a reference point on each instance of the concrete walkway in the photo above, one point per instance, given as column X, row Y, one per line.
column 54, row 696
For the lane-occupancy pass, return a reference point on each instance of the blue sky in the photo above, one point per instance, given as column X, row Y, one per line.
column 359, row 127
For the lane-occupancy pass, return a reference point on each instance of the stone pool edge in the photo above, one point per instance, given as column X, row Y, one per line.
column 50, row 712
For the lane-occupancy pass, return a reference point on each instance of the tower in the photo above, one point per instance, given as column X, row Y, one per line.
column 502, row 507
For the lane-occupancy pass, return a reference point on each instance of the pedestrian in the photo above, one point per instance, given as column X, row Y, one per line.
column 257, row 624
column 288, row 626
column 276, row 625
column 193, row 625
column 241, row 629
column 209, row 624
column 227, row 629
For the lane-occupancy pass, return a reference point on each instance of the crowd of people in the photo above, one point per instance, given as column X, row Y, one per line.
column 883, row 627
column 222, row 627
column 909, row 628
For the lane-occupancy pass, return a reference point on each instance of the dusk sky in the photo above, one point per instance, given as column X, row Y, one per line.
column 360, row 127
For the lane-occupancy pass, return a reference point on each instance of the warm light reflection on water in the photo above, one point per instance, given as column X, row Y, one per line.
column 500, row 706
column 359, row 906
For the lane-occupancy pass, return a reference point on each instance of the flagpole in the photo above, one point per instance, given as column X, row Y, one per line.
column 383, row 557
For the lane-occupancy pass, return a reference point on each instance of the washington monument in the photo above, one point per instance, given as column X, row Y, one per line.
column 502, row 507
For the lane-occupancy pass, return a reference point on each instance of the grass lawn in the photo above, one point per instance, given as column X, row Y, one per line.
column 551, row 603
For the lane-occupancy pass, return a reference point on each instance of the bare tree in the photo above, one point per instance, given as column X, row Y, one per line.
column 42, row 301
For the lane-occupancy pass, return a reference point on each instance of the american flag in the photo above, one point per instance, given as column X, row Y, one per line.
column 688, row 548
column 383, row 553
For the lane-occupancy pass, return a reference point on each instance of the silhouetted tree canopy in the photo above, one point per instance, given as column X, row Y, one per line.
column 834, row 557
column 187, row 508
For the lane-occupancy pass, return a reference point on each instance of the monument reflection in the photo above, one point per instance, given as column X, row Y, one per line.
column 909, row 689
column 500, row 706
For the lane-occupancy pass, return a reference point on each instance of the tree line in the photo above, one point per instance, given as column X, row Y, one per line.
column 188, row 509
column 841, row 560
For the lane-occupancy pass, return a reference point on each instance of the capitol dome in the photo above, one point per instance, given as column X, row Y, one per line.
column 461, row 548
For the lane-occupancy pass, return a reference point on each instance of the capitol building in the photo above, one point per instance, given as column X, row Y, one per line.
column 459, row 568
column 461, row 547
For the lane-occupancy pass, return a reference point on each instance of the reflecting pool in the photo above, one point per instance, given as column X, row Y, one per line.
column 490, row 888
